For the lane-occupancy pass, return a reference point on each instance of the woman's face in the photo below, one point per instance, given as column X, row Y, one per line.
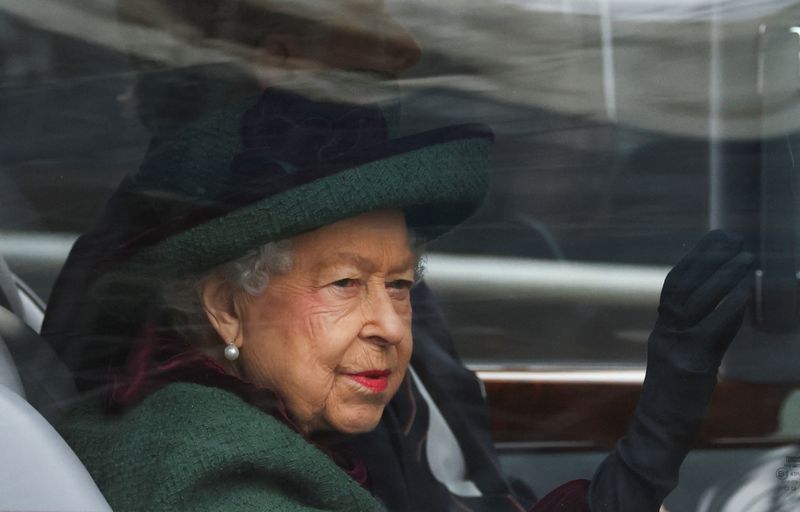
column 332, row 336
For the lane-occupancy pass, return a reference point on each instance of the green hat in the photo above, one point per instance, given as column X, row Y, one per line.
column 287, row 165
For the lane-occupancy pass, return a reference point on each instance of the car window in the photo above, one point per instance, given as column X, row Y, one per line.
column 624, row 131
column 623, row 134
column 617, row 147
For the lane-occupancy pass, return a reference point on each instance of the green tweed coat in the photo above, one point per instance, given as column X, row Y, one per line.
column 196, row 448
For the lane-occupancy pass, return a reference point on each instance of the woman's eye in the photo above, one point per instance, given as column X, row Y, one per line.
column 400, row 289
column 344, row 283
column 401, row 284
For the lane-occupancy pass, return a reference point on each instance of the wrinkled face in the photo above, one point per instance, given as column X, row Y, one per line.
column 332, row 336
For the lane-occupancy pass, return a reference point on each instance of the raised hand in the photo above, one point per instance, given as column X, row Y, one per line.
column 701, row 309
column 702, row 304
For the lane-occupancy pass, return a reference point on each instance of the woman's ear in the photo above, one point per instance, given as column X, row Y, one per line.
column 218, row 302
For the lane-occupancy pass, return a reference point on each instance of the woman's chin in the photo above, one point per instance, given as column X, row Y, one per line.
column 358, row 421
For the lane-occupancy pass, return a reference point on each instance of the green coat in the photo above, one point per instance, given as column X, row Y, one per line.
column 192, row 447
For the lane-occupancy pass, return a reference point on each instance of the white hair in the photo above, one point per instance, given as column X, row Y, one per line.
column 181, row 298
column 250, row 273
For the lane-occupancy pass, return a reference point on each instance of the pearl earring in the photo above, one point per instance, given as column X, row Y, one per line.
column 232, row 351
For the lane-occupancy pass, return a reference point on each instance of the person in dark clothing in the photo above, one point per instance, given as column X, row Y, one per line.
column 275, row 44
column 690, row 336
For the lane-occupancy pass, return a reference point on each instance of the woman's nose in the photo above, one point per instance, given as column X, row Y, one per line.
column 383, row 323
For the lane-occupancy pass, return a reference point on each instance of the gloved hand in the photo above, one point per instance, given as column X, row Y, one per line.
column 702, row 307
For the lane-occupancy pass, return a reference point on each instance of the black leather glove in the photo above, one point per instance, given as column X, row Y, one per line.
column 701, row 309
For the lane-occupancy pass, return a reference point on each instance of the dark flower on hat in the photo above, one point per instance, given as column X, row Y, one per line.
column 301, row 133
column 290, row 139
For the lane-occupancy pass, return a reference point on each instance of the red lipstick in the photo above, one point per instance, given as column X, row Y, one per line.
column 374, row 380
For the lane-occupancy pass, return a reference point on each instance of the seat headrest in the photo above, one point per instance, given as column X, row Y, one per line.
column 9, row 376
column 47, row 383
column 9, row 295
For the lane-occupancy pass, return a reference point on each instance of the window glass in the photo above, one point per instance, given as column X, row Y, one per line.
column 618, row 128
column 624, row 131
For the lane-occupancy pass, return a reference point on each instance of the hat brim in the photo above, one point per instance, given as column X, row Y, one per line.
column 438, row 185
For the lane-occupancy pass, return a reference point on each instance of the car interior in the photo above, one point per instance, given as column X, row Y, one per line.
column 603, row 177
column 39, row 470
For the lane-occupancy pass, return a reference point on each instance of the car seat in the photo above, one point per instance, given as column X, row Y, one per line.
column 38, row 470
column 18, row 298
column 9, row 297
column 34, row 371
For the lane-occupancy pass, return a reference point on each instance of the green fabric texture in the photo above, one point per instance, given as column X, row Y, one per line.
column 434, row 201
column 191, row 447
column 438, row 185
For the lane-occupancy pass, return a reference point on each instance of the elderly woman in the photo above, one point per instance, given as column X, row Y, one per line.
column 243, row 308
column 260, row 262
